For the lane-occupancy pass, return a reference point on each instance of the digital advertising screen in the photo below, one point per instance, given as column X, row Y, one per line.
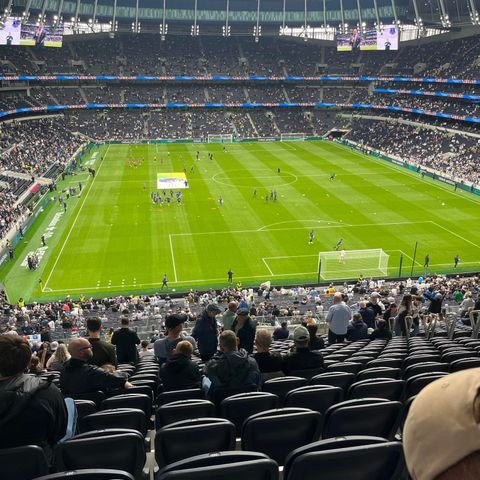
column 171, row 181
column 370, row 39
column 45, row 35
column 10, row 32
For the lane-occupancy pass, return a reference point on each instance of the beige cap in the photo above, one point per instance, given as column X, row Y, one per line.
column 441, row 428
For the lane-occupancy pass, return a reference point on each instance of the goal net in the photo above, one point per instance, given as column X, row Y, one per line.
column 349, row 264
column 224, row 138
column 290, row 137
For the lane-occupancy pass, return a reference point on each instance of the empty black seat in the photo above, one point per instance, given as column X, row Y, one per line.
column 386, row 362
column 238, row 408
column 96, row 397
column 282, row 385
column 387, row 388
column 174, row 395
column 307, row 373
column 23, row 463
column 277, row 432
column 336, row 379
column 464, row 364
column 367, row 416
column 414, row 359
column 183, row 410
column 349, row 367
column 379, row 372
column 425, row 367
column 181, row 440
column 221, row 465
column 315, row 397
column 130, row 400
column 120, row 451
column 417, row 382
column 89, row 474
column 132, row 418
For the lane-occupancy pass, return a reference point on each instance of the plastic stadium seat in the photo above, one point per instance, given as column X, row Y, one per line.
column 89, row 474
column 307, row 373
column 416, row 383
column 331, row 444
column 367, row 416
column 220, row 394
column 318, row 398
column 181, row 440
column 385, row 362
column 425, row 368
column 361, row 358
column 85, row 407
column 143, row 389
column 336, row 379
column 130, row 400
column 277, row 432
column 23, row 463
column 121, row 451
column 282, row 385
column 349, row 367
column 222, row 465
column 132, row 418
column 379, row 372
column 183, row 410
column 458, row 355
column 175, row 395
column 238, row 408
column 464, row 364
column 387, row 388
column 414, row 359
column 96, row 397
column 366, row 462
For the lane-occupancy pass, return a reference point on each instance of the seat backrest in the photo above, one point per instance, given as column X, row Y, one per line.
column 307, row 373
column 282, row 385
column 236, row 465
column 277, row 432
column 416, row 383
column 89, row 474
column 349, row 367
column 96, row 397
column 330, row 444
column 117, row 418
column 386, row 362
column 220, row 393
column 188, row 438
column 425, row 367
column 379, row 372
column 23, row 463
column 85, row 407
column 413, row 359
column 369, row 462
column 387, row 388
column 174, row 395
column 238, row 408
column 464, row 364
column 130, row 400
column 125, row 451
column 183, row 410
column 366, row 416
column 336, row 379
column 315, row 397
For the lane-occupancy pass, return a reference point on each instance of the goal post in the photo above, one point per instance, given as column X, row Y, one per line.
column 349, row 264
column 223, row 138
column 291, row 137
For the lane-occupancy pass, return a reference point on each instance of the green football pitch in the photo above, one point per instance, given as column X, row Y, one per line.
column 114, row 240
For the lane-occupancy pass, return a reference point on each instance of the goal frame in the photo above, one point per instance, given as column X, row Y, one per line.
column 380, row 269
column 220, row 138
column 291, row 137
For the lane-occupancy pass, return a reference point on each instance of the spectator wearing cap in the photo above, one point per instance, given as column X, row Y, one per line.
column 446, row 412
column 281, row 333
column 338, row 317
column 164, row 348
column 103, row 352
column 229, row 315
column 244, row 329
column 267, row 361
column 206, row 330
column 179, row 372
column 302, row 358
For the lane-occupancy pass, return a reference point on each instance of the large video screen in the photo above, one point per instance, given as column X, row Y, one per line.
column 45, row 35
column 10, row 32
column 370, row 39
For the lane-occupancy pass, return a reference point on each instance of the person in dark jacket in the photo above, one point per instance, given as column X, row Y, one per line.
column 281, row 333
column 358, row 329
column 368, row 314
column 80, row 377
column 103, row 352
column 126, row 341
column 302, row 358
column 32, row 410
column 179, row 372
column 205, row 331
column 267, row 361
column 316, row 342
column 244, row 329
column 382, row 331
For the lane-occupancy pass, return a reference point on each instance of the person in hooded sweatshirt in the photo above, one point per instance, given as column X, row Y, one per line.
column 32, row 410
column 230, row 367
column 179, row 372
column 357, row 329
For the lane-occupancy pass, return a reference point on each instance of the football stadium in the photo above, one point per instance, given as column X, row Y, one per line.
column 239, row 238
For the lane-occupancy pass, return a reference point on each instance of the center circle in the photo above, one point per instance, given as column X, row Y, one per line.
column 265, row 178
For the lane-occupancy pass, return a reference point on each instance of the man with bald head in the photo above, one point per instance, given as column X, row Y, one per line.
column 80, row 377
